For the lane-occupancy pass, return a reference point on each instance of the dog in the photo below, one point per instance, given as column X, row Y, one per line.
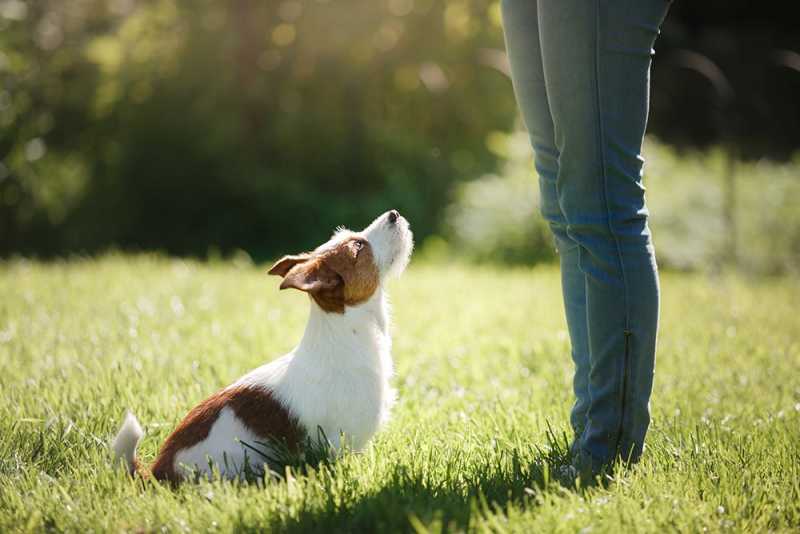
column 336, row 381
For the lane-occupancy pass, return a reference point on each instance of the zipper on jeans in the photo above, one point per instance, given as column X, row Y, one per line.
column 623, row 397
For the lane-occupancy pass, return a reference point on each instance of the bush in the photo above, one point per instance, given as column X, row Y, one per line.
column 186, row 125
column 688, row 200
column 496, row 218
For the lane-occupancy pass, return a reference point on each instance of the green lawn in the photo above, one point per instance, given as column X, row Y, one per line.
column 483, row 374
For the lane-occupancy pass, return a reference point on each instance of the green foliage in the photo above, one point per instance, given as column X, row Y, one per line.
column 200, row 127
column 483, row 374
column 496, row 218
column 688, row 198
column 180, row 125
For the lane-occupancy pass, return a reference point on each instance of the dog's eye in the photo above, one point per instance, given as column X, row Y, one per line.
column 357, row 246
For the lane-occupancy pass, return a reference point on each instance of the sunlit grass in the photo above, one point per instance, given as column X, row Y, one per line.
column 483, row 374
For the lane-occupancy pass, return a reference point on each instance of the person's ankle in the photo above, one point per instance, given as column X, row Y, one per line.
column 590, row 470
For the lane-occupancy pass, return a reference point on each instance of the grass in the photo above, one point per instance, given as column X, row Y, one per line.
column 483, row 374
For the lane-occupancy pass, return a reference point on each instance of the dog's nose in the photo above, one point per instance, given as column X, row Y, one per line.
column 393, row 216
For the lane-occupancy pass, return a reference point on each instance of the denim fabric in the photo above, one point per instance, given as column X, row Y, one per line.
column 581, row 73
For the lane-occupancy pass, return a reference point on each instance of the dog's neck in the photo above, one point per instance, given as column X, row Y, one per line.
column 359, row 336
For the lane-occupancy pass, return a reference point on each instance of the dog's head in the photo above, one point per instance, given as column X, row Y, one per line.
column 351, row 266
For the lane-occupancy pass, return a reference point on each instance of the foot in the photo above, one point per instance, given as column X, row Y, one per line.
column 567, row 475
column 583, row 469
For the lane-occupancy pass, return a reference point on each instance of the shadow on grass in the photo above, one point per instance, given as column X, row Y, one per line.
column 449, row 501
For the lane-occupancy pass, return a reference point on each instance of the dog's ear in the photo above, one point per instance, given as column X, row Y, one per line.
column 324, row 285
column 311, row 277
column 285, row 264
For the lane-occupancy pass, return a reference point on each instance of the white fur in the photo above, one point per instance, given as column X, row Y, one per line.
column 336, row 379
column 391, row 243
column 222, row 449
column 128, row 437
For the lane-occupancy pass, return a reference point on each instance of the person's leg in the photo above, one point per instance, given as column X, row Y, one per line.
column 521, row 26
column 596, row 58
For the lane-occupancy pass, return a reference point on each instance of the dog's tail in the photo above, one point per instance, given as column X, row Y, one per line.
column 124, row 445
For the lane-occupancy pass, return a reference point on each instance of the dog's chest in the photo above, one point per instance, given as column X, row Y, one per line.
column 343, row 400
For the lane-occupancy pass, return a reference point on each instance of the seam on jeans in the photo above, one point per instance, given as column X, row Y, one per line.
column 601, row 142
column 625, row 378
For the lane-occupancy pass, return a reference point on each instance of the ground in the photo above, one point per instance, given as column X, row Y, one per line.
column 483, row 373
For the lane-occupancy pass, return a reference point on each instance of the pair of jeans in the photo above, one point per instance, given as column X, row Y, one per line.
column 581, row 76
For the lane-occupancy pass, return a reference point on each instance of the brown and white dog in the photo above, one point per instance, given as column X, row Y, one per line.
column 336, row 379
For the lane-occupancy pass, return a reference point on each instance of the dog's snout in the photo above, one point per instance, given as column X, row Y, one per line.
column 393, row 216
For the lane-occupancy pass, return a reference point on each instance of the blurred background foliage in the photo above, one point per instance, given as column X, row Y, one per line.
column 200, row 127
column 493, row 219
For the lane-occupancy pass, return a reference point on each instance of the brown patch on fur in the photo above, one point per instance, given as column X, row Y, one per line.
column 343, row 275
column 354, row 261
column 324, row 285
column 257, row 408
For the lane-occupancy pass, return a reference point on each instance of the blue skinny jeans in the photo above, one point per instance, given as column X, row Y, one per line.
column 581, row 75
